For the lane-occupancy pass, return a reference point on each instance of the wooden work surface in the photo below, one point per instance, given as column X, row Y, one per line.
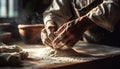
column 97, row 51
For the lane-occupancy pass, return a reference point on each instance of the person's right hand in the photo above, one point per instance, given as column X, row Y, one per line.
column 70, row 32
column 47, row 34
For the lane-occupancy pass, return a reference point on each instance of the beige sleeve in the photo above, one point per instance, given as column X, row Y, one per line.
column 106, row 15
column 59, row 11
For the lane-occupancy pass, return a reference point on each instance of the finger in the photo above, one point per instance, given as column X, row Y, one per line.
column 47, row 43
column 58, row 39
column 51, row 36
column 50, row 33
column 69, row 40
column 45, row 38
column 65, row 36
column 43, row 35
column 58, row 43
column 60, row 29
column 48, row 40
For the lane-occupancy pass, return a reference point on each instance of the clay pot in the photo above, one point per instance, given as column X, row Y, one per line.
column 4, row 26
column 30, row 33
column 5, row 37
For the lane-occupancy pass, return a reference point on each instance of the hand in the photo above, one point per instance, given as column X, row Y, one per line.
column 70, row 33
column 47, row 34
column 51, row 27
column 44, row 37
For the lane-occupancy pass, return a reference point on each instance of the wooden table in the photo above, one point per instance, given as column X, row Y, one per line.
column 98, row 51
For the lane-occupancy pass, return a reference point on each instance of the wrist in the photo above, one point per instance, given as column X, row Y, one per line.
column 84, row 23
column 51, row 24
column 88, row 22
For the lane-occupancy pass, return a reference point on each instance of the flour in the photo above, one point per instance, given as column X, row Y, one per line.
column 49, row 55
column 48, row 51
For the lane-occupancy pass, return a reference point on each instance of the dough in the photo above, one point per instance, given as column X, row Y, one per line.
column 12, row 55
column 10, row 49
column 13, row 58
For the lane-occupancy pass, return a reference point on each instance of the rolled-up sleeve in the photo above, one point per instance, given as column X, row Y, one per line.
column 106, row 15
column 59, row 11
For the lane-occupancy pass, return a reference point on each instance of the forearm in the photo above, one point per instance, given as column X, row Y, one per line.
column 106, row 15
column 80, row 25
column 85, row 24
column 57, row 13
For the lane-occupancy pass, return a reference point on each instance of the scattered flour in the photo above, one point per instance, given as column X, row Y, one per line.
column 49, row 55
column 48, row 51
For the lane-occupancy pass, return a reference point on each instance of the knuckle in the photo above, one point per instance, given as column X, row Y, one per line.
column 45, row 42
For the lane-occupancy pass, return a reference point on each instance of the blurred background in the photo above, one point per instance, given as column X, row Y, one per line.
column 19, row 12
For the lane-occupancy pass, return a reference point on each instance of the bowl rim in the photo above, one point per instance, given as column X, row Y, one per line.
column 30, row 25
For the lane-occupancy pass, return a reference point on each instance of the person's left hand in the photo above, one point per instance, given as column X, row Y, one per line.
column 47, row 34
